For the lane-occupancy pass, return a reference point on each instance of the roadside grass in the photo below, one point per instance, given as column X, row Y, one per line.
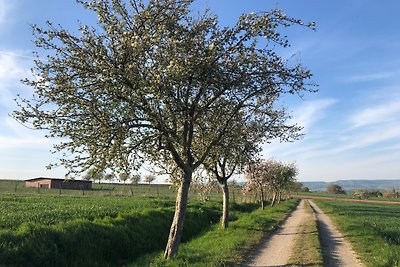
column 225, row 247
column 307, row 248
column 373, row 229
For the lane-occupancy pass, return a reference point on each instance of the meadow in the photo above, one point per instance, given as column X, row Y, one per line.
column 99, row 228
column 373, row 229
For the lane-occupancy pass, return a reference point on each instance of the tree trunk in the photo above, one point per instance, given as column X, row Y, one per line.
column 273, row 199
column 225, row 205
column 262, row 198
column 175, row 233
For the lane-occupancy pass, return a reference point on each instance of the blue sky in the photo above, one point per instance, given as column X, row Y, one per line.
column 351, row 126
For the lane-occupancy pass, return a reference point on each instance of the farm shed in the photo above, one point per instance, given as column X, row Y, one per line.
column 57, row 183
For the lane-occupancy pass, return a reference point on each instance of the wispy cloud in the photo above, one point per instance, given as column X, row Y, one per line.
column 5, row 8
column 308, row 114
column 12, row 69
column 360, row 140
column 15, row 135
column 9, row 66
column 374, row 76
column 379, row 114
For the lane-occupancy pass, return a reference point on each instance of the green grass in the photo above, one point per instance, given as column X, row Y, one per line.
column 85, row 235
column 225, row 247
column 373, row 229
column 49, row 210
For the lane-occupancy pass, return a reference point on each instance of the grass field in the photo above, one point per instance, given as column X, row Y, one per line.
column 44, row 228
column 11, row 187
column 90, row 231
column 373, row 229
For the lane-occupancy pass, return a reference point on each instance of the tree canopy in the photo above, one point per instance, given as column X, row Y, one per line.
column 152, row 81
column 272, row 176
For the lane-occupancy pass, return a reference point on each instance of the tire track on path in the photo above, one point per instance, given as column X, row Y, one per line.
column 336, row 250
column 276, row 250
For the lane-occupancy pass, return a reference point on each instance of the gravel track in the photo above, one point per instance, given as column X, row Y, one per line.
column 276, row 249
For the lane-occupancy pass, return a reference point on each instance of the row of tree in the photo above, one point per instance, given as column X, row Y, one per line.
column 272, row 176
column 362, row 193
column 96, row 175
column 153, row 83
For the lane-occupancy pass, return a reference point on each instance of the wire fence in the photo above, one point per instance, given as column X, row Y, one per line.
column 127, row 190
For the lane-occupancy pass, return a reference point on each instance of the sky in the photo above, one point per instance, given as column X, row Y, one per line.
column 351, row 125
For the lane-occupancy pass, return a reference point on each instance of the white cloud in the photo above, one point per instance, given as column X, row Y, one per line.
column 386, row 112
column 361, row 139
column 9, row 66
column 311, row 112
column 14, row 66
column 382, row 75
column 5, row 8
column 15, row 135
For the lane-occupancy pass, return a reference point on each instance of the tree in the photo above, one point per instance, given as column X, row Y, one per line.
column 109, row 177
column 151, row 81
column 149, row 178
column 124, row 177
column 135, row 179
column 270, row 175
column 94, row 174
column 282, row 180
column 237, row 149
column 255, row 180
column 335, row 189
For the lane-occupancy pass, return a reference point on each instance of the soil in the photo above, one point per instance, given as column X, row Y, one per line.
column 276, row 249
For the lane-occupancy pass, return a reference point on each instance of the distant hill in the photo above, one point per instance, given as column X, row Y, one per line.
column 353, row 184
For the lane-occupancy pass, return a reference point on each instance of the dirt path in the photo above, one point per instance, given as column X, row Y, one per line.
column 335, row 249
column 276, row 250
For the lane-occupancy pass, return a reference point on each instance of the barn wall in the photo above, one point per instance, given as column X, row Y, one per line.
column 71, row 184
column 39, row 183
column 59, row 184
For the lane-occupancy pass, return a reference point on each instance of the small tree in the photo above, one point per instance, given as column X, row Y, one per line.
column 124, row 177
column 283, row 180
column 94, row 174
column 149, row 178
column 335, row 189
column 255, row 180
column 270, row 175
column 135, row 179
